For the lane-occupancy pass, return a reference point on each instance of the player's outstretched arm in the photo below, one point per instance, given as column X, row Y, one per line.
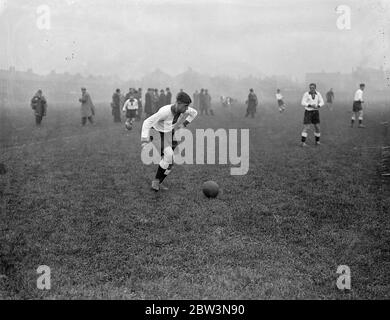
column 149, row 123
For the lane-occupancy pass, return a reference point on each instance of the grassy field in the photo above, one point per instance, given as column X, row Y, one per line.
column 79, row 201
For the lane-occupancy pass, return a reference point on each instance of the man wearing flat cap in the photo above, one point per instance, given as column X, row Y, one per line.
column 164, row 122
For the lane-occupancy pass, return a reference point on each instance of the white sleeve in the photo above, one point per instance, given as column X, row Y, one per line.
column 192, row 113
column 304, row 100
column 150, row 122
column 320, row 100
column 125, row 105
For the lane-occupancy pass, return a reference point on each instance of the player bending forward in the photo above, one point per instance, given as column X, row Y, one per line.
column 279, row 98
column 164, row 122
column 131, row 109
column 312, row 101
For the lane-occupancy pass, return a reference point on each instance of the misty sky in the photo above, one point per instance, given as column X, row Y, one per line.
column 130, row 38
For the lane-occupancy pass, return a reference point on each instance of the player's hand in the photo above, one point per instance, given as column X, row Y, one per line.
column 144, row 142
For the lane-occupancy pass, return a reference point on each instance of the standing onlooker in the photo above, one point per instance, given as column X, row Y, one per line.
column 116, row 105
column 129, row 94
column 357, row 107
column 155, row 99
column 196, row 99
column 330, row 98
column 168, row 96
column 162, row 99
column 39, row 105
column 87, row 107
column 252, row 103
column 203, row 102
column 208, row 102
column 138, row 96
column 149, row 103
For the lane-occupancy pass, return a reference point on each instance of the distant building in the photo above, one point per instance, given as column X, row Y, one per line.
column 374, row 78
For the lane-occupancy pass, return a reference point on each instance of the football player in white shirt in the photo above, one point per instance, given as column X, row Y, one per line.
column 130, row 108
column 312, row 101
column 164, row 122
column 357, row 107
column 279, row 98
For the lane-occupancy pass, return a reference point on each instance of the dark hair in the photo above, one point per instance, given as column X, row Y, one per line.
column 362, row 85
column 183, row 97
column 313, row 84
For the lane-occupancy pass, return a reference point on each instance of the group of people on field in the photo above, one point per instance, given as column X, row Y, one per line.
column 202, row 102
column 132, row 106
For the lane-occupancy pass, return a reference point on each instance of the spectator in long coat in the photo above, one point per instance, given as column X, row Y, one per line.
column 138, row 96
column 208, row 103
column 155, row 98
column 168, row 96
column 252, row 103
column 196, row 99
column 203, row 102
column 148, row 103
column 162, row 99
column 116, row 105
column 39, row 105
column 87, row 107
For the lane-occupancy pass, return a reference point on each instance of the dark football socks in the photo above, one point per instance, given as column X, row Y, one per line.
column 160, row 175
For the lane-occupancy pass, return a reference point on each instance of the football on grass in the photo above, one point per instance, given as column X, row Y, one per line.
column 210, row 189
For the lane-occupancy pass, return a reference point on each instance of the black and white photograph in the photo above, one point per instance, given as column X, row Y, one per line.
column 192, row 150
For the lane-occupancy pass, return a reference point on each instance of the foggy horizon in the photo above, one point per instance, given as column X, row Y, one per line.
column 130, row 39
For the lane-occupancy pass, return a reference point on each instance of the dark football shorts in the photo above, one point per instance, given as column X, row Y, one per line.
column 311, row 117
column 167, row 139
column 131, row 113
column 357, row 106
column 280, row 103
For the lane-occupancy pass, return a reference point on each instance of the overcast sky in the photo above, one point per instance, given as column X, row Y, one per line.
column 130, row 38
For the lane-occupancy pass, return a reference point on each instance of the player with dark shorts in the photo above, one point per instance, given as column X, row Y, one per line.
column 357, row 107
column 165, row 121
column 312, row 101
column 279, row 98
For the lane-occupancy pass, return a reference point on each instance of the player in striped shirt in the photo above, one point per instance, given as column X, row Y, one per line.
column 164, row 121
